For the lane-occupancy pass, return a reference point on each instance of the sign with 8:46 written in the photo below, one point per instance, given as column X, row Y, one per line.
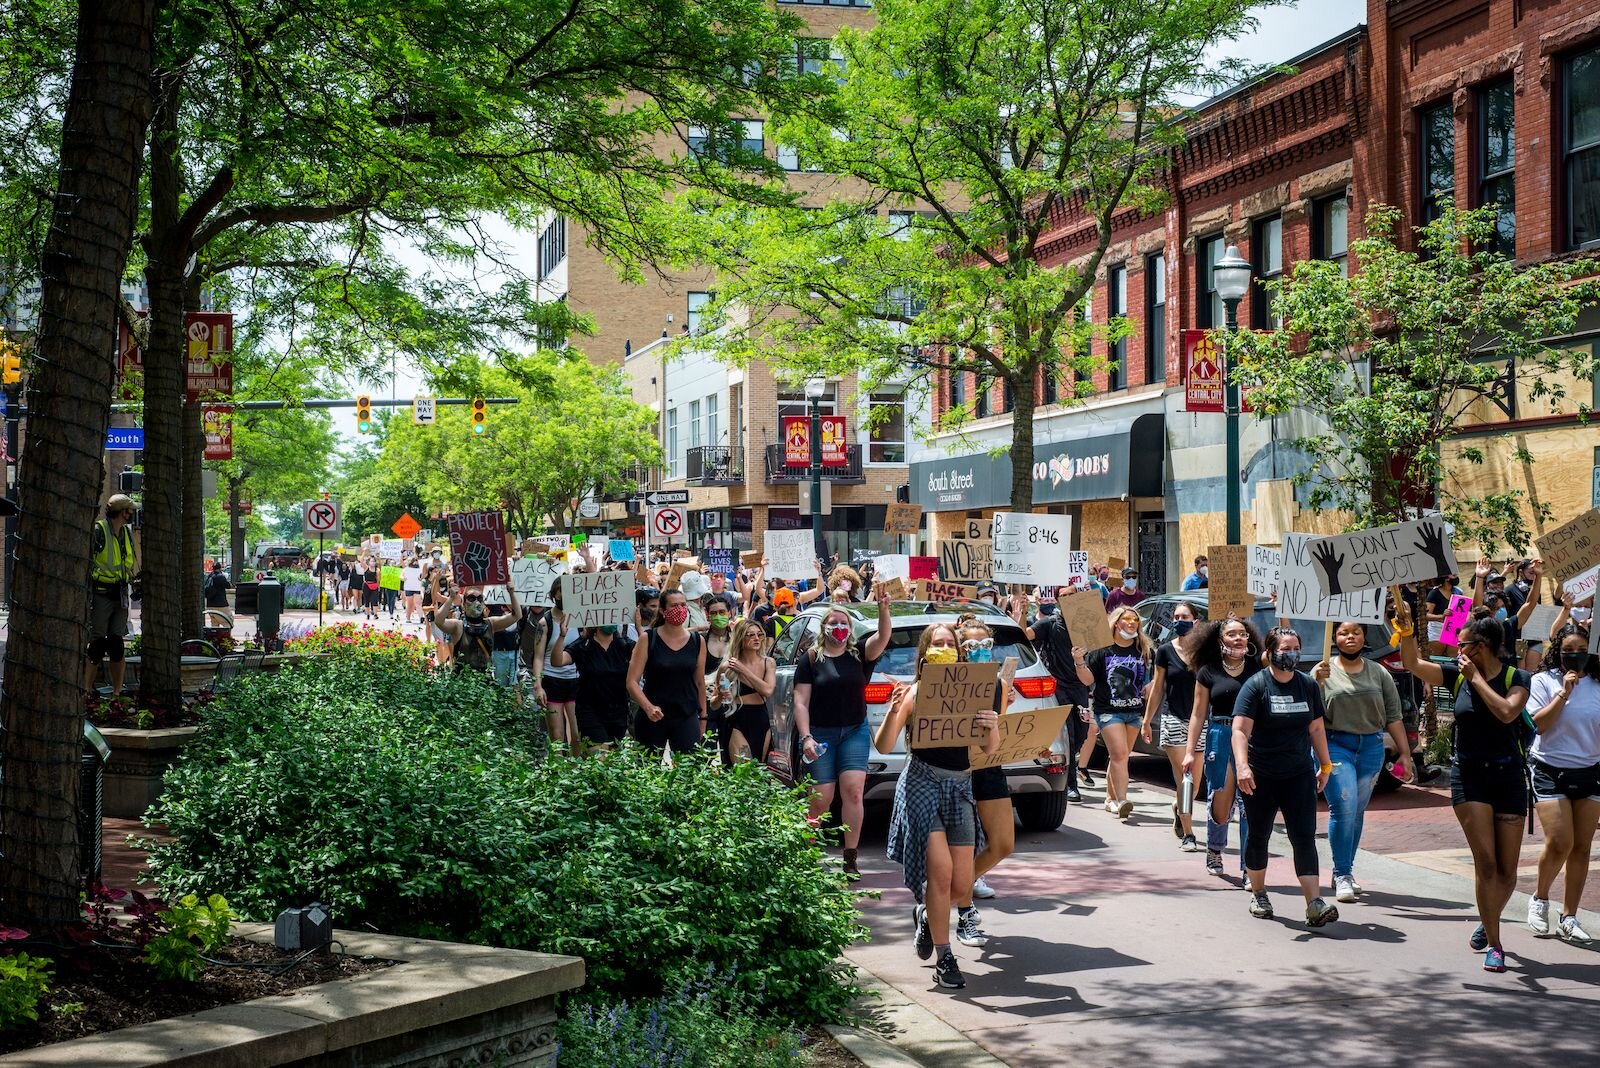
column 1032, row 549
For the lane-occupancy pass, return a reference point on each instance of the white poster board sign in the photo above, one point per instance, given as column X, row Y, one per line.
column 391, row 548
column 556, row 543
column 1077, row 569
column 1032, row 549
column 1300, row 593
column 533, row 576
column 1537, row 629
column 791, row 554
column 598, row 598
column 891, row 566
column 1263, row 564
column 1582, row 585
column 496, row 595
column 1383, row 556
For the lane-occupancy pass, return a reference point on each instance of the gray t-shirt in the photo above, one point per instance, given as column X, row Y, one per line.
column 1364, row 703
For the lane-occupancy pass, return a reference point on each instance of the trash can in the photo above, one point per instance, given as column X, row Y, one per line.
column 244, row 599
column 91, row 800
column 269, row 608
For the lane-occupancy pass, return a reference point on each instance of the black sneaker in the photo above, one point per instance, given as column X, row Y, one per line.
column 947, row 973
column 919, row 916
column 1074, row 796
column 851, row 871
column 1177, row 822
column 1261, row 907
column 1088, row 779
column 1213, row 862
column 1319, row 913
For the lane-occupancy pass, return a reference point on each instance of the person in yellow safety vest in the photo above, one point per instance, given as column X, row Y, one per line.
column 111, row 575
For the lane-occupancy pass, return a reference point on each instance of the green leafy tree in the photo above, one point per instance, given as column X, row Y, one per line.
column 373, row 493
column 1395, row 357
column 988, row 120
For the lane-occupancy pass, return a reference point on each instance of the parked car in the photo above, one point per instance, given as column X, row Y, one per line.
column 1038, row 787
column 1156, row 612
column 272, row 557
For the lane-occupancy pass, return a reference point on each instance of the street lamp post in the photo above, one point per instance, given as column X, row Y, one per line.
column 1231, row 276
column 816, row 386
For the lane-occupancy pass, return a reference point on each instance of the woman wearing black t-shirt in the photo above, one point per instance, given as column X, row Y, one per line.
column 830, row 716
column 1277, row 723
column 1489, row 787
column 1120, row 671
column 667, row 680
column 1171, row 694
column 602, row 657
column 934, row 832
column 1224, row 655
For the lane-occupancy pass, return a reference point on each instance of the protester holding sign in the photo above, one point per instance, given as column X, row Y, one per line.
column 1120, row 672
column 1278, row 716
column 934, row 832
column 1065, row 660
column 555, row 686
column 830, row 716
column 1489, row 790
column 990, row 790
column 411, row 586
column 471, row 630
column 1171, row 694
column 1225, row 653
column 666, row 679
column 601, row 656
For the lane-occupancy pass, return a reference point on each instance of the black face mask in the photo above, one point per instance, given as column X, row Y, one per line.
column 1351, row 657
column 1574, row 660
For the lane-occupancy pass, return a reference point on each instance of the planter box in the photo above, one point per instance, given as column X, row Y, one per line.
column 139, row 762
column 445, row 1004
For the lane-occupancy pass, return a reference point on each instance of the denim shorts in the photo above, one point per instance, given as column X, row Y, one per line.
column 1131, row 719
column 505, row 667
column 848, row 749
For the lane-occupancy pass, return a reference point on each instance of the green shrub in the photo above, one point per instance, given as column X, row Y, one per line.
column 416, row 802
column 702, row 1027
column 23, row 981
column 193, row 928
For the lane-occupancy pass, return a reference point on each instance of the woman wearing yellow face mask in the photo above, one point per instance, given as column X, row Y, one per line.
column 934, row 832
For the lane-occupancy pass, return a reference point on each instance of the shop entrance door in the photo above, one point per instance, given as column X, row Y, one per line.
column 1153, row 552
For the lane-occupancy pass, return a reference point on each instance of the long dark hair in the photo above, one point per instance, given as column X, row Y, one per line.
column 1203, row 644
column 1552, row 652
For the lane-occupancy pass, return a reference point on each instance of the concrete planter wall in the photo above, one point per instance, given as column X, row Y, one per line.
column 445, row 1006
column 139, row 762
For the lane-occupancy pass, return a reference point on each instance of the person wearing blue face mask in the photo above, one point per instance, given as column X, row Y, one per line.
column 1129, row 594
column 1171, row 694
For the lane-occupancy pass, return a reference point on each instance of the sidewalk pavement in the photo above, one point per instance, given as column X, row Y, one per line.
column 1110, row 947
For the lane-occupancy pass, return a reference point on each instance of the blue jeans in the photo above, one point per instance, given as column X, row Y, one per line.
column 1357, row 759
column 1218, row 763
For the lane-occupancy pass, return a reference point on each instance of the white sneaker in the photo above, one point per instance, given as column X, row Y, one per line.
column 1539, row 916
column 981, row 888
column 1356, row 886
column 1344, row 888
column 1111, row 806
column 1572, row 930
column 969, row 929
column 1124, row 809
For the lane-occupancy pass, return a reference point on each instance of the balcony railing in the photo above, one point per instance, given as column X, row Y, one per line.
column 715, row 465
column 778, row 471
column 641, row 479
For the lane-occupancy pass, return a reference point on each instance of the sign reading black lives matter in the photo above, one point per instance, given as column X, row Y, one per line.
column 598, row 598
column 1383, row 556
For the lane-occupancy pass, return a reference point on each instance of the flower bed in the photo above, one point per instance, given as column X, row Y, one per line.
column 364, row 642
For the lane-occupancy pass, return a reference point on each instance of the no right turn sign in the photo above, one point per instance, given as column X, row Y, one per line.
column 320, row 519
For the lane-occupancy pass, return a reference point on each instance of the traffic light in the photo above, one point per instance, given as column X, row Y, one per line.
column 480, row 416
column 364, row 414
column 10, row 363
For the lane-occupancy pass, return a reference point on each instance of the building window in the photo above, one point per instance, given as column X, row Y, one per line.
column 1330, row 238
column 1008, row 397
column 958, row 389
column 1581, row 147
column 1155, row 318
column 1051, row 392
column 887, row 441
column 789, row 159
column 694, row 322
column 900, row 223
column 694, row 424
column 982, row 405
column 718, row 143
column 552, row 246
column 673, row 469
column 793, row 402
column 1209, row 312
column 1267, row 244
column 1497, row 148
column 1438, row 128
column 1117, row 306
column 712, row 430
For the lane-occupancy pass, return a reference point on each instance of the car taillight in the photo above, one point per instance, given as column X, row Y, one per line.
column 878, row 692
column 1036, row 686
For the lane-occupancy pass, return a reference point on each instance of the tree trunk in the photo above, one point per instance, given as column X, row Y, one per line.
column 194, row 519
column 235, row 532
column 161, row 677
column 59, row 482
column 1022, row 438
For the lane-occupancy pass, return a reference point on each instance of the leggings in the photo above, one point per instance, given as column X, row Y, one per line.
column 1077, row 734
column 1296, row 796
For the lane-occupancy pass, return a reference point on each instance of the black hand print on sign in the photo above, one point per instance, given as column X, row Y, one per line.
column 476, row 558
column 1330, row 563
column 1431, row 541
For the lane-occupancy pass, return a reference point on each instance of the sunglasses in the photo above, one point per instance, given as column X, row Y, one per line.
column 977, row 643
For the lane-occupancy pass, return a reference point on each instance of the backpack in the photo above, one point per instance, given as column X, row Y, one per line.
column 473, row 649
column 1526, row 731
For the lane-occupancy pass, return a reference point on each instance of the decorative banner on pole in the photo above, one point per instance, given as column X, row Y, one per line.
column 791, row 554
column 1023, row 736
column 1455, row 617
column 1085, row 617
column 1228, row 582
column 130, row 360
column 1202, row 377
column 1300, row 593
column 1383, row 556
column 964, row 560
column 902, row 518
column 216, row 422
column 598, row 598
column 478, row 549
column 948, row 697
column 1031, row 549
column 207, row 369
column 835, row 429
column 1572, row 548
column 796, row 441
column 1264, row 564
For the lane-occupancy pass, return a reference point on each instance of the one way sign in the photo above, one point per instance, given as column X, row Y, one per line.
column 662, row 498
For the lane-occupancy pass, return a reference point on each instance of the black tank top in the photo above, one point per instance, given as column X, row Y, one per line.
column 671, row 679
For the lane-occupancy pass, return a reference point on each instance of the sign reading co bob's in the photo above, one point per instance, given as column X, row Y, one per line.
column 1086, row 469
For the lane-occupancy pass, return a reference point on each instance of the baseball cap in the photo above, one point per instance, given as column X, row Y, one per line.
column 120, row 502
column 783, row 598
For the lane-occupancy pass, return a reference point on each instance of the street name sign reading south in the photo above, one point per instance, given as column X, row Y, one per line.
column 1371, row 559
column 1032, row 549
column 948, row 697
column 478, row 549
column 598, row 598
column 320, row 519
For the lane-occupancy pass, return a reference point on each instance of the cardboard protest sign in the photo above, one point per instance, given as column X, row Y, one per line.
column 478, row 549
column 643, row 575
column 1228, row 582
column 598, row 598
column 389, row 577
column 1116, row 563
column 1085, row 617
column 902, row 518
column 533, row 576
column 1537, row 629
column 1263, row 563
column 922, row 567
column 558, row 543
column 892, row 565
column 751, row 558
column 948, row 696
column 1031, row 549
column 894, row 587
column 680, row 567
column 791, row 554
column 720, row 560
column 621, row 550
column 934, row 590
column 679, row 554
column 1572, row 548
column 1383, row 556
column 1455, row 617
column 1023, row 736
column 965, row 560
column 980, row 529
column 1300, row 593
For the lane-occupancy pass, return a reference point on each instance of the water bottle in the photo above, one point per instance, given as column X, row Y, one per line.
column 822, row 747
column 1186, row 799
